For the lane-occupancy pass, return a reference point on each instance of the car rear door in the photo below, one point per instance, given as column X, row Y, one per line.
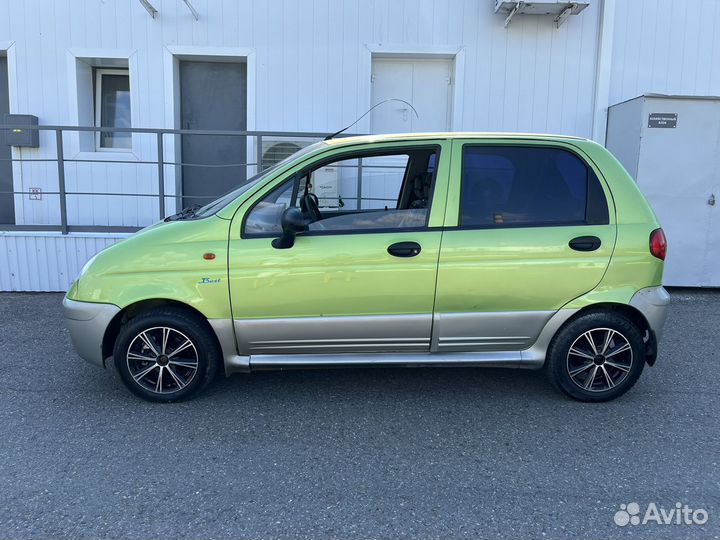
column 529, row 226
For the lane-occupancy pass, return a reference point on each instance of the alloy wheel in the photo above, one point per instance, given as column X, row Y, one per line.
column 162, row 360
column 599, row 359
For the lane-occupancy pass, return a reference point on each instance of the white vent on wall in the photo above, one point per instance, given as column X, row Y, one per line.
column 275, row 149
column 559, row 10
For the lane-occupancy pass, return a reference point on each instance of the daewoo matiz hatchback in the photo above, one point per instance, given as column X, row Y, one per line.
column 458, row 249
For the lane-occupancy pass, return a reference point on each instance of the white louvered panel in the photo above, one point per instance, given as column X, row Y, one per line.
column 36, row 262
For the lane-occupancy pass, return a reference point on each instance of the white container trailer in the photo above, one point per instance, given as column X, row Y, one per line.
column 671, row 146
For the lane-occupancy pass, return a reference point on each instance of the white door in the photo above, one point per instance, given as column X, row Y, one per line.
column 425, row 83
column 679, row 173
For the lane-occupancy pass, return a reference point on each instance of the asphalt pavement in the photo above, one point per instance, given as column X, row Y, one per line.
column 354, row 454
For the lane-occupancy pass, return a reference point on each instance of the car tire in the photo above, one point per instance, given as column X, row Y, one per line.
column 166, row 354
column 598, row 370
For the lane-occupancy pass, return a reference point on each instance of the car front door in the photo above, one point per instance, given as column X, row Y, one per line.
column 529, row 227
column 362, row 277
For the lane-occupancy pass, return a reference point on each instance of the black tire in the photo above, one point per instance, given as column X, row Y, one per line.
column 204, row 353
column 610, row 375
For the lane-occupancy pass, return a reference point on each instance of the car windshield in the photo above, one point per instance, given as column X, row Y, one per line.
column 221, row 202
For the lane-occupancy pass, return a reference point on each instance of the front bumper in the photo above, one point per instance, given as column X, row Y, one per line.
column 653, row 303
column 87, row 322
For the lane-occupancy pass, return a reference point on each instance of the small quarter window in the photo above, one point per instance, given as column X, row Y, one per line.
column 112, row 107
column 515, row 186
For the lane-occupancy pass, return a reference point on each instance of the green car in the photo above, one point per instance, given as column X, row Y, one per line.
column 434, row 249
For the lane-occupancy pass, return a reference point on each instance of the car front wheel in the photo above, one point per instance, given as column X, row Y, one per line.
column 166, row 354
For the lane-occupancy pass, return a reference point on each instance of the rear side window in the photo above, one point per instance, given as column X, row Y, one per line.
column 516, row 186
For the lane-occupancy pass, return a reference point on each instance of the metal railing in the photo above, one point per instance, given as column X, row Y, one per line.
column 252, row 141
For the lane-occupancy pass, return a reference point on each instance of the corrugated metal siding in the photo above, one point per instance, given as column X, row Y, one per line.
column 665, row 47
column 34, row 262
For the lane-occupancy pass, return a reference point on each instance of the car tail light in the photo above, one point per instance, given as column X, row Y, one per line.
column 658, row 244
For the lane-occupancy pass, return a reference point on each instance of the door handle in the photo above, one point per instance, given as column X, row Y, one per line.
column 404, row 249
column 585, row 243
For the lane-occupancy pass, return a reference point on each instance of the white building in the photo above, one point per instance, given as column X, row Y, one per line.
column 296, row 66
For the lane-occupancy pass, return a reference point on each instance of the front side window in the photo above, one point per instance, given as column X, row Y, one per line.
column 388, row 190
column 515, row 186
column 112, row 107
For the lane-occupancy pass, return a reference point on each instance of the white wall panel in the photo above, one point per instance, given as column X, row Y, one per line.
column 308, row 55
column 665, row 47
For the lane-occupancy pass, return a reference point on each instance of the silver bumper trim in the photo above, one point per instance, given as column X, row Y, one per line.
column 87, row 322
column 653, row 303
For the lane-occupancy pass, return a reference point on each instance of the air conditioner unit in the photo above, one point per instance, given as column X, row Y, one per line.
column 558, row 9
column 275, row 149
column 325, row 180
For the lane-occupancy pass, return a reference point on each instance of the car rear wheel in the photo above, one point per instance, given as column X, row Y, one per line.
column 166, row 354
column 597, row 357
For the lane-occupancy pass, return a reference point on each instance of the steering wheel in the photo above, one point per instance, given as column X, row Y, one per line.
column 310, row 205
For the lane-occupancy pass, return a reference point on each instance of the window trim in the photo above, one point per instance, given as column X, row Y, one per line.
column 341, row 156
column 98, row 75
column 530, row 225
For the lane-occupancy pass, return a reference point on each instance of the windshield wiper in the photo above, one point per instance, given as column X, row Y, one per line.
column 184, row 213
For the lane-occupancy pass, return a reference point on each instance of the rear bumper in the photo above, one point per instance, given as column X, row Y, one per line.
column 87, row 322
column 653, row 303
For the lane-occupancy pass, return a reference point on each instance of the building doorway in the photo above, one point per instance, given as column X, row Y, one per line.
column 424, row 82
column 7, row 203
column 213, row 95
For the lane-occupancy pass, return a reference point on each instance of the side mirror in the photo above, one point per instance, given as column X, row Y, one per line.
column 292, row 223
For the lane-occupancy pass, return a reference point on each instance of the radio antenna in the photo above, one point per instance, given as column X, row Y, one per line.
column 332, row 136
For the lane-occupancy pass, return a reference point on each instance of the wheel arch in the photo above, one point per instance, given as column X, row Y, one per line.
column 132, row 310
column 629, row 312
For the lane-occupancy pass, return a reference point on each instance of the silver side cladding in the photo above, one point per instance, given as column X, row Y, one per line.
column 506, row 359
column 488, row 331
column 537, row 353
column 334, row 335
column 225, row 332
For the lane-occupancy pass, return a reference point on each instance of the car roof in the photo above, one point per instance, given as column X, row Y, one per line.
column 359, row 139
